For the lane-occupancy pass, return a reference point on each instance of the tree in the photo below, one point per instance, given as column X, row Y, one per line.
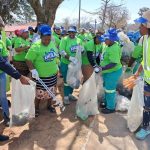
column 16, row 11
column 111, row 14
column 6, row 8
column 45, row 10
column 142, row 10
column 116, row 17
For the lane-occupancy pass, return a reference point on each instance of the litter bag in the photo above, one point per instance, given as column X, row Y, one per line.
column 123, row 103
column 74, row 74
column 87, row 104
column 135, row 112
column 22, row 108
column 99, row 86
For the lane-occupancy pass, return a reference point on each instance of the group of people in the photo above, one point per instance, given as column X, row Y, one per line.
column 43, row 53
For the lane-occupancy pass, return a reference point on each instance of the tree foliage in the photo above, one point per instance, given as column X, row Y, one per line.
column 142, row 10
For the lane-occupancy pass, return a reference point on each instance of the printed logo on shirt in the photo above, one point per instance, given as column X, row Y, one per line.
column 74, row 48
column 49, row 56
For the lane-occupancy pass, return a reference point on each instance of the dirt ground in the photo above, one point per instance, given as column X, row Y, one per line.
column 65, row 132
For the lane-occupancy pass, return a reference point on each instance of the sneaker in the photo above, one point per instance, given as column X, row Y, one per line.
column 72, row 98
column 66, row 101
column 102, row 105
column 3, row 138
column 107, row 111
column 142, row 134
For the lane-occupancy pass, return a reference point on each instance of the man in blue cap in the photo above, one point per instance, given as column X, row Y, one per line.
column 7, row 68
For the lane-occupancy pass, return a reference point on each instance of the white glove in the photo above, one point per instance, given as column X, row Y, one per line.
column 73, row 60
column 35, row 74
column 63, row 53
column 81, row 48
column 97, row 69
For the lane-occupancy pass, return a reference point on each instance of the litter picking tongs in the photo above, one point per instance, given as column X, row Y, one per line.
column 58, row 103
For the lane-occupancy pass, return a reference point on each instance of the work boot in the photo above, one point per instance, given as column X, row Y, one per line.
column 72, row 98
column 3, row 138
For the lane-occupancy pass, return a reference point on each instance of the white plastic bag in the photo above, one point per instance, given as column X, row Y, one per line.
column 135, row 112
column 74, row 74
column 99, row 86
column 123, row 103
column 87, row 103
column 22, row 108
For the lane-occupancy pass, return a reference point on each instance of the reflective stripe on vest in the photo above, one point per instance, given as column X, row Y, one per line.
column 110, row 91
column 146, row 49
column 65, row 84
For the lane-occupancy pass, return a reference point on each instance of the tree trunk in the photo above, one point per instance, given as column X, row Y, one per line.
column 45, row 13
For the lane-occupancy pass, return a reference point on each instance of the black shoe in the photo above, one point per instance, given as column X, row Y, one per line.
column 51, row 109
column 3, row 138
column 107, row 111
column 37, row 112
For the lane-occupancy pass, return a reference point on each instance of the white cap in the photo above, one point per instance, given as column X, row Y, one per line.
column 146, row 15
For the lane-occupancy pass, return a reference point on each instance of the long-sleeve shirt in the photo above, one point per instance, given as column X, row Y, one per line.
column 8, row 68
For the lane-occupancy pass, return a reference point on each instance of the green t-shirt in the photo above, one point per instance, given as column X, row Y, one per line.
column 8, row 43
column 90, row 46
column 3, row 51
column 43, row 58
column 112, row 54
column 20, row 42
column 70, row 47
column 138, row 53
column 83, row 37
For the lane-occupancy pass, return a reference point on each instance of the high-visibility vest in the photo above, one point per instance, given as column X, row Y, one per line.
column 146, row 58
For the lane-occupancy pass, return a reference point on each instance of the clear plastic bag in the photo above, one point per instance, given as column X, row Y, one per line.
column 74, row 74
column 22, row 109
column 123, row 103
column 87, row 104
column 135, row 112
column 99, row 86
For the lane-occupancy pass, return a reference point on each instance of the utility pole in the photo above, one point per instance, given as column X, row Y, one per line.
column 79, row 14
column 95, row 25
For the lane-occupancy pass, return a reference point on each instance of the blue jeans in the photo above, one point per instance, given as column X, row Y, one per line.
column 146, row 111
column 3, row 97
column 67, row 89
column 110, row 84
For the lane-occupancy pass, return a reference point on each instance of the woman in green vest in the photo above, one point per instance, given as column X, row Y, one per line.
column 145, row 66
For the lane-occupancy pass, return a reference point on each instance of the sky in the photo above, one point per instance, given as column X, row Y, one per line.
column 69, row 8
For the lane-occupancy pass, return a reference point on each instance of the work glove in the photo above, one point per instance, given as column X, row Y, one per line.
column 63, row 53
column 35, row 74
column 97, row 69
column 73, row 60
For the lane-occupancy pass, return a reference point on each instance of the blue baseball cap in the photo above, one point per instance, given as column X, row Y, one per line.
column 45, row 29
column 72, row 29
column 111, row 35
column 30, row 28
column 141, row 20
